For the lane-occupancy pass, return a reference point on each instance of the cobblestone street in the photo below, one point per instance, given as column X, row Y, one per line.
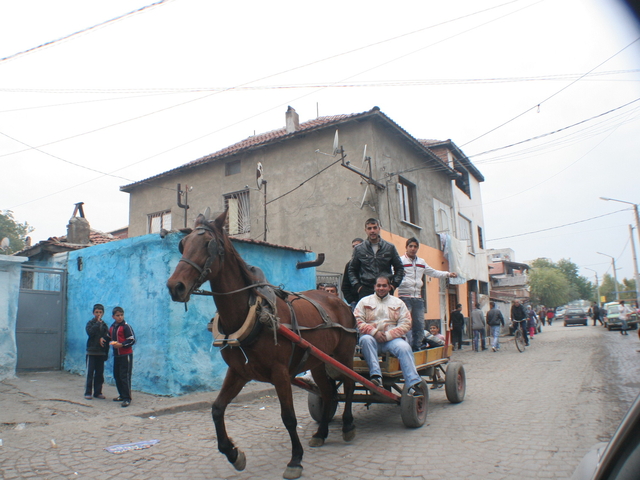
column 526, row 415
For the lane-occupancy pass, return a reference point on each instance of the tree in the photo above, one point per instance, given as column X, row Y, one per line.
column 549, row 287
column 608, row 288
column 14, row 231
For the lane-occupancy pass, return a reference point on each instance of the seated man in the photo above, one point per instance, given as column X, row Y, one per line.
column 383, row 320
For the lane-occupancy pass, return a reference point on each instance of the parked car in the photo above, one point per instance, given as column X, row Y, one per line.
column 612, row 319
column 618, row 459
column 575, row 316
column 559, row 313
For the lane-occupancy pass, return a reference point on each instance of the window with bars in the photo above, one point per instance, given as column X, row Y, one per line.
column 158, row 221
column 238, row 219
column 407, row 198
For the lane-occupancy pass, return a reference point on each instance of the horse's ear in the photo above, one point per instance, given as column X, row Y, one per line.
column 186, row 231
column 207, row 214
column 220, row 221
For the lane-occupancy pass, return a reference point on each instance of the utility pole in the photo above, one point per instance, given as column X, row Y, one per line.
column 635, row 261
column 597, row 286
column 615, row 275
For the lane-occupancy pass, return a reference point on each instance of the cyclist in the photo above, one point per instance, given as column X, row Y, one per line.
column 518, row 319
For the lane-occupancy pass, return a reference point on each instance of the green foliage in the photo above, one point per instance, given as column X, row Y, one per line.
column 563, row 275
column 549, row 287
column 14, row 231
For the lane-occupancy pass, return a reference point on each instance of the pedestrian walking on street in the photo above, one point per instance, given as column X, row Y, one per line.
column 550, row 314
column 97, row 353
column 457, row 326
column 596, row 313
column 372, row 258
column 410, row 290
column 495, row 320
column 479, row 327
column 122, row 341
column 624, row 313
column 532, row 321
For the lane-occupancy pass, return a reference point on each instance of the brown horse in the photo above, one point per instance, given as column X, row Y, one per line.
column 209, row 255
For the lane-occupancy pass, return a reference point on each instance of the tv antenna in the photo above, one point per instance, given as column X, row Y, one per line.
column 260, row 181
column 185, row 206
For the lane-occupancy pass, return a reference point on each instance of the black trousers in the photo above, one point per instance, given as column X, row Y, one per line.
column 122, row 368
column 95, row 374
column 456, row 337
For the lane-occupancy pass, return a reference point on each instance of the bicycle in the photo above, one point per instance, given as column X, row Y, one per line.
column 518, row 335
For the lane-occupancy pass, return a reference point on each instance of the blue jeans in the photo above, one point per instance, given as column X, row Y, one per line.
column 397, row 347
column 416, row 309
column 495, row 336
column 477, row 336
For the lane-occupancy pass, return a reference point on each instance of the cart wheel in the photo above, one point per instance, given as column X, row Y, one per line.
column 414, row 409
column 455, row 382
column 519, row 340
column 315, row 405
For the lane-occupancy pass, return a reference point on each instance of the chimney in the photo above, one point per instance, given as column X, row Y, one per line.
column 78, row 229
column 292, row 120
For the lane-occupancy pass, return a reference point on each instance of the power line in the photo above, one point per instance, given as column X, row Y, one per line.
column 537, row 106
column 559, row 226
column 85, row 30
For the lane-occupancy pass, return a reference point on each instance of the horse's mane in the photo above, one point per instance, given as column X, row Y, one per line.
column 231, row 250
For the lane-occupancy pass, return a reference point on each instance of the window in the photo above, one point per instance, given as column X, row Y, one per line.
column 158, row 221
column 238, row 220
column 480, row 238
column 484, row 288
column 407, row 197
column 464, row 232
column 442, row 215
column 462, row 181
column 231, row 168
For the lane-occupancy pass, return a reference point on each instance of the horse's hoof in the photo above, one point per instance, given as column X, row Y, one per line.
column 350, row 435
column 316, row 442
column 292, row 472
column 241, row 461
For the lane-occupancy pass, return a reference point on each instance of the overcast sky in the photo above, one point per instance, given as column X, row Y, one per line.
column 143, row 94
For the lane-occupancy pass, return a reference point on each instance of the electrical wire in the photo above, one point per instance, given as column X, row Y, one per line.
column 559, row 226
column 80, row 32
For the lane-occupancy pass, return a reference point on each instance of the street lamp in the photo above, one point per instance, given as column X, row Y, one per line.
column 635, row 260
column 615, row 276
column 597, row 285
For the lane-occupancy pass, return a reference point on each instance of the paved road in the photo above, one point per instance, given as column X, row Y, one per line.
column 526, row 415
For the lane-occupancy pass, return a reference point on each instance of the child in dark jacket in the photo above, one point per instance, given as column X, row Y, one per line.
column 97, row 353
column 122, row 339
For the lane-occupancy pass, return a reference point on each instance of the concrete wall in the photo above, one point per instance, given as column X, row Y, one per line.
column 324, row 215
column 173, row 353
column 9, row 290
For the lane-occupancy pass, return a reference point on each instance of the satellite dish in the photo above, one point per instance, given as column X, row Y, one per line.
column 260, row 176
column 335, row 144
column 364, row 154
column 4, row 245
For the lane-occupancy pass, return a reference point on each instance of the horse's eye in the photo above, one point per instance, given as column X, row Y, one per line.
column 181, row 246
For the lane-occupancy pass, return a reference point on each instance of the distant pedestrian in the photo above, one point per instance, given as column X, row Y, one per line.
column 595, row 313
column 122, row 341
column 550, row 314
column 97, row 353
column 495, row 320
column 479, row 327
column 624, row 315
column 532, row 321
column 457, row 327
column 410, row 290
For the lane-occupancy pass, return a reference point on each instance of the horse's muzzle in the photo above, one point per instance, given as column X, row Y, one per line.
column 178, row 291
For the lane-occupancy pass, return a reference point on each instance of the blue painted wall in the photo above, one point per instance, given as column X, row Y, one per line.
column 9, row 290
column 173, row 354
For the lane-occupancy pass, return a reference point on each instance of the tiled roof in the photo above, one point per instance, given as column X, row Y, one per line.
column 281, row 134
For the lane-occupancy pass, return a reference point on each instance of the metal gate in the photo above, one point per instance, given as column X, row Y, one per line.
column 40, row 322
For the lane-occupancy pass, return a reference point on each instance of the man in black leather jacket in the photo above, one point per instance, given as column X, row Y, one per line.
column 372, row 258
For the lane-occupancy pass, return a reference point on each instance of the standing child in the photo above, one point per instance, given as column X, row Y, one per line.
column 123, row 339
column 97, row 353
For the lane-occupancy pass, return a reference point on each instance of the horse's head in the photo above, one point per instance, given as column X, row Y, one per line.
column 202, row 256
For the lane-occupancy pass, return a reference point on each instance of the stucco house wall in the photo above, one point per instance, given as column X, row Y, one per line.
column 9, row 290
column 173, row 354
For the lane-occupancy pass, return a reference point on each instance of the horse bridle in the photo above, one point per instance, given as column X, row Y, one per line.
column 215, row 248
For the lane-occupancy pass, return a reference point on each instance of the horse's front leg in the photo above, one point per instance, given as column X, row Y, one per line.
column 282, row 383
column 231, row 386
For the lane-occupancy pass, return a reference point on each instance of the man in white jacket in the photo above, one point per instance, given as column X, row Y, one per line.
column 410, row 290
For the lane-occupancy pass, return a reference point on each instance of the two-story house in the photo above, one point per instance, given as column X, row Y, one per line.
column 318, row 192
